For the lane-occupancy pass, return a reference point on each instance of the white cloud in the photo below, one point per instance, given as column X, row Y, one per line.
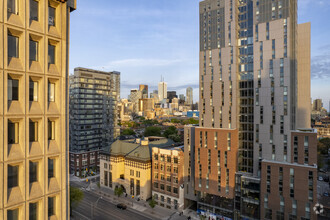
column 142, row 62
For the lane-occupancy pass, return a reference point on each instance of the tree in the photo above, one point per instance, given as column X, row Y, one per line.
column 175, row 137
column 170, row 131
column 152, row 131
column 152, row 203
column 119, row 191
column 76, row 195
column 193, row 121
column 127, row 132
column 323, row 146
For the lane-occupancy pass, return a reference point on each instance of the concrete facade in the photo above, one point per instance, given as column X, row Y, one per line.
column 34, row 107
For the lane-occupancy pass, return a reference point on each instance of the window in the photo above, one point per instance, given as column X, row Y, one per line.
column 33, row 172
column 12, row 176
column 106, row 178
column 176, row 160
column 51, row 167
column 175, row 190
column 33, row 210
column 51, row 16
column 51, row 206
column 138, row 174
column 13, row 133
column 162, row 186
column 168, row 178
column 34, row 10
column 33, row 90
column 12, row 7
column 13, row 89
column 33, row 131
column 51, row 130
column 33, row 50
column 51, row 92
column 168, row 188
column 131, row 172
column 12, row 214
column 168, row 159
column 155, row 185
column 13, row 45
column 105, row 166
column 51, row 54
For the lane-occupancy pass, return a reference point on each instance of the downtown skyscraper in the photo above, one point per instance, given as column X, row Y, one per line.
column 34, row 105
column 254, row 150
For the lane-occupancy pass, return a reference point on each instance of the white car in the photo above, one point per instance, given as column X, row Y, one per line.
column 320, row 178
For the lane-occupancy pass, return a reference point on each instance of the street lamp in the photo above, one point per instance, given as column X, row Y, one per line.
column 93, row 205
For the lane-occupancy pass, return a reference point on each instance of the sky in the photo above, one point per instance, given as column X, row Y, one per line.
column 149, row 39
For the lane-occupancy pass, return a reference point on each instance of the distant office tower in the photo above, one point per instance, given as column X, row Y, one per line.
column 162, row 91
column 94, row 96
column 189, row 94
column 317, row 104
column 134, row 97
column 171, row 95
column 144, row 91
column 154, row 95
column 34, row 135
column 254, row 136
column 182, row 97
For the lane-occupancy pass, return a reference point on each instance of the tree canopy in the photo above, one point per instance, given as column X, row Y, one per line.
column 152, row 131
column 127, row 131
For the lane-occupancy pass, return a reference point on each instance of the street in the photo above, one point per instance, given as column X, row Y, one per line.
column 103, row 211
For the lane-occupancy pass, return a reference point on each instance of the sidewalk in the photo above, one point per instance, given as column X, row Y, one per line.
column 142, row 206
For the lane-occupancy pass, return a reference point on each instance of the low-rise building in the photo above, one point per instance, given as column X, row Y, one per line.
column 127, row 164
column 167, row 177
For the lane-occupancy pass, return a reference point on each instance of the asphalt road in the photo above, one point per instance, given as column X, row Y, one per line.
column 104, row 210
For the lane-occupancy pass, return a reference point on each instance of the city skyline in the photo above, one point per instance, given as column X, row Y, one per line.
column 174, row 29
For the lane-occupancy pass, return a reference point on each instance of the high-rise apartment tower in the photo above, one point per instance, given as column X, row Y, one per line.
column 254, row 135
column 34, row 101
column 94, row 97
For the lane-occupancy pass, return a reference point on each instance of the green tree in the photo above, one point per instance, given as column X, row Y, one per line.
column 119, row 191
column 170, row 131
column 175, row 121
column 127, row 132
column 152, row 131
column 175, row 137
column 76, row 195
column 323, row 146
column 152, row 203
column 193, row 121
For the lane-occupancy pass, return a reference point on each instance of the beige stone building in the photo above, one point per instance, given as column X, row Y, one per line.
column 127, row 164
column 34, row 61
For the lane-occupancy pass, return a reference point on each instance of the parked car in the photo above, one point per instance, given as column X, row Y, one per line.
column 320, row 178
column 326, row 194
column 121, row 206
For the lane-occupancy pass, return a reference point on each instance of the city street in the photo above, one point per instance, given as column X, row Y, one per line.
column 103, row 211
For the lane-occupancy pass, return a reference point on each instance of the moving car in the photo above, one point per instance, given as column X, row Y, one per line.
column 121, row 206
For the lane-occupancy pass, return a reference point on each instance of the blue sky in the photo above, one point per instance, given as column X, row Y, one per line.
column 144, row 39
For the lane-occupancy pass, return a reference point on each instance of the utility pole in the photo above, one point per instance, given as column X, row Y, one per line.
column 93, row 205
